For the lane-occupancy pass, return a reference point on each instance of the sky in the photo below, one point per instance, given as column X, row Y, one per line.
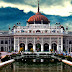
column 13, row 11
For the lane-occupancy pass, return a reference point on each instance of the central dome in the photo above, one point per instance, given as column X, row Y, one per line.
column 38, row 18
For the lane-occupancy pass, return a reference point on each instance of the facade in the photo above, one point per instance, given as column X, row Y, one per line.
column 38, row 35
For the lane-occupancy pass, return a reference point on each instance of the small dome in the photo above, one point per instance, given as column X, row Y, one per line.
column 38, row 18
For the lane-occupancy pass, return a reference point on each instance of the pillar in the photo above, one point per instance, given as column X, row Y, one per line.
column 34, row 49
column 42, row 45
column 14, row 43
column 50, row 44
column 26, row 48
column 61, row 44
column 8, row 44
column 42, row 48
column 58, row 44
column 70, row 47
column 18, row 44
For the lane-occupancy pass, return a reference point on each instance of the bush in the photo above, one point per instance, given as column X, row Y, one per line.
column 69, row 58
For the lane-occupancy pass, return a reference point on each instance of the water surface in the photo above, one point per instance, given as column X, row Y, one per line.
column 36, row 67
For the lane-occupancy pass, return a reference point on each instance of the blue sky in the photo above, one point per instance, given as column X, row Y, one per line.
column 13, row 11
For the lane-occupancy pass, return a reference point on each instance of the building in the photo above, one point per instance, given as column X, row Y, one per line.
column 38, row 35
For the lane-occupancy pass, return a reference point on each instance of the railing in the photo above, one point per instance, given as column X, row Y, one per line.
column 40, row 27
column 38, row 33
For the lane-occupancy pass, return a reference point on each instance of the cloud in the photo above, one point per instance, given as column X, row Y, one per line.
column 34, row 2
column 49, row 7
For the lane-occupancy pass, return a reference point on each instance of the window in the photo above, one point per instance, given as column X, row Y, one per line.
column 12, row 42
column 38, row 31
column 70, row 42
column 54, row 31
column 2, row 42
column 30, row 31
column 6, row 42
column 63, row 41
column 22, row 31
column 45, row 31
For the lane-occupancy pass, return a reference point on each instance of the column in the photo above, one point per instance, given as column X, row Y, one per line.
column 8, row 44
column 18, row 44
column 61, row 43
column 14, row 43
column 50, row 44
column 42, row 48
column 4, row 45
column 34, row 49
column 58, row 44
column 0, row 48
column 26, row 45
column 70, row 47
column 42, row 45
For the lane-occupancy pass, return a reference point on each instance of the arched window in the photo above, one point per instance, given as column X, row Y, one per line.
column 12, row 42
column 54, row 47
column 2, row 42
column 46, row 47
column 45, row 31
column 70, row 42
column 2, row 49
column 30, row 46
column 38, row 31
column 30, row 31
column 38, row 47
column 22, row 47
column 6, row 42
column 22, row 31
column 54, row 31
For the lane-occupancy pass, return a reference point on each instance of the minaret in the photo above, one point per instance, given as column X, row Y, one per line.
column 38, row 5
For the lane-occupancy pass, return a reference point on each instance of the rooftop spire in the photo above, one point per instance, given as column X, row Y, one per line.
column 38, row 5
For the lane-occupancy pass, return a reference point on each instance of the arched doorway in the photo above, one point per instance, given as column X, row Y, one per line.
column 2, row 49
column 46, row 47
column 30, row 46
column 22, row 47
column 38, row 47
column 54, row 47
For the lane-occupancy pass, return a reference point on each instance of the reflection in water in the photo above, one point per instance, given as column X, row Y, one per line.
column 36, row 67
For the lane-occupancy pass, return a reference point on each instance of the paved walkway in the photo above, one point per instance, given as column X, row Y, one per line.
column 67, row 62
column 7, row 62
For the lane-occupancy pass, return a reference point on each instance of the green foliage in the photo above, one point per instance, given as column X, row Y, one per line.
column 69, row 58
column 12, row 49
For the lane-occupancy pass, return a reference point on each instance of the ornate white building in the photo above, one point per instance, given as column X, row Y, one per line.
column 38, row 34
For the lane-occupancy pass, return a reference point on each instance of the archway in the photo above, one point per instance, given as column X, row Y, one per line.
column 30, row 46
column 38, row 31
column 2, row 49
column 54, row 47
column 46, row 47
column 22, row 47
column 38, row 47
